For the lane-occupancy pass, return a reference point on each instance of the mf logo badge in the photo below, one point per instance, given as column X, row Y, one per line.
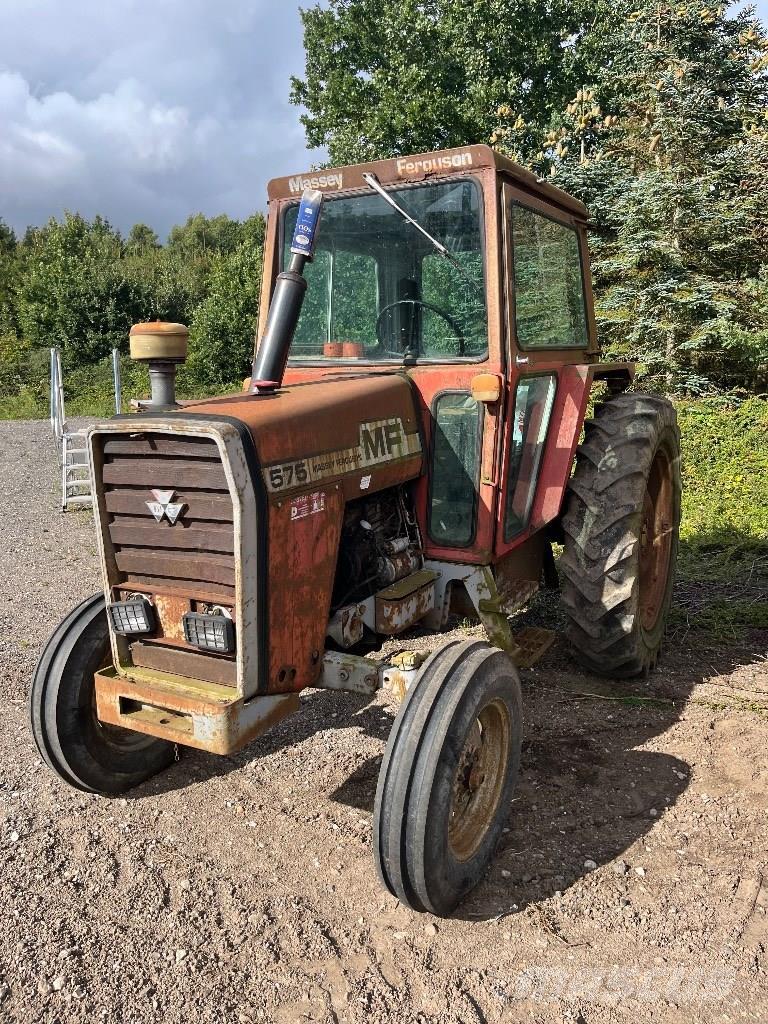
column 165, row 506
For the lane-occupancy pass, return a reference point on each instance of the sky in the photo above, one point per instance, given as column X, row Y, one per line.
column 148, row 110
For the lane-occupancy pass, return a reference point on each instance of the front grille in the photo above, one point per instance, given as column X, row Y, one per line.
column 197, row 552
column 182, row 566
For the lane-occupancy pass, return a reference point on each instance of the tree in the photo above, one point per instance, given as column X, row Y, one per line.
column 141, row 239
column 201, row 234
column 224, row 323
column 74, row 293
column 9, row 272
column 667, row 147
column 384, row 79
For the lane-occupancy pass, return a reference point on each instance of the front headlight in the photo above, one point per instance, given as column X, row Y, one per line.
column 210, row 632
column 134, row 616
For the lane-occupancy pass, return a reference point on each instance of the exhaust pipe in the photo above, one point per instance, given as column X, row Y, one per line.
column 287, row 299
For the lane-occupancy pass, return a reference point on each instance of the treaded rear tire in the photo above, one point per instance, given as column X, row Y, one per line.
column 613, row 627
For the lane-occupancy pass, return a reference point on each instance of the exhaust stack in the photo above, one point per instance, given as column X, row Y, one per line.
column 287, row 299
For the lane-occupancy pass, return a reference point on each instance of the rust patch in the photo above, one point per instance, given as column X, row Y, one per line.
column 199, row 716
column 170, row 611
column 405, row 602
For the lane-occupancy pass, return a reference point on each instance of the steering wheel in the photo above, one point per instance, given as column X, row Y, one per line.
column 425, row 305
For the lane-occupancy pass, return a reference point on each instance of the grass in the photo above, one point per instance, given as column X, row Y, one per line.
column 725, row 487
column 723, row 561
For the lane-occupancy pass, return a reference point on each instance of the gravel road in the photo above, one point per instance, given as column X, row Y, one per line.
column 632, row 883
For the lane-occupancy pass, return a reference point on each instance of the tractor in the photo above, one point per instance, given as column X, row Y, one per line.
column 412, row 442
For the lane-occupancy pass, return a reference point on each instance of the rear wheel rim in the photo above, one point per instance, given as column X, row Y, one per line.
column 479, row 779
column 656, row 540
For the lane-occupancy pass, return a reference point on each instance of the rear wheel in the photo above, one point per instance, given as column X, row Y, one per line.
column 81, row 750
column 621, row 526
column 447, row 777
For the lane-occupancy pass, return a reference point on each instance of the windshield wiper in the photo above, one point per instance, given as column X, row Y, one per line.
column 376, row 185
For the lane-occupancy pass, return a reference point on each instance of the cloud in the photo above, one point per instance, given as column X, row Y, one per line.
column 145, row 110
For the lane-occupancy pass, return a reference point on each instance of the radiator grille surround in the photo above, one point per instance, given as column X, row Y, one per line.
column 215, row 552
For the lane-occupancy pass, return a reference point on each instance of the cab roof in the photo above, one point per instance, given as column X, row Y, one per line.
column 421, row 167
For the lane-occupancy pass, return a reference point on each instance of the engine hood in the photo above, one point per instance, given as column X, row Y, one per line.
column 362, row 431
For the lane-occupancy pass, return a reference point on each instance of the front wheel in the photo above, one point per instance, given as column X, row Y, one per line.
column 447, row 776
column 82, row 751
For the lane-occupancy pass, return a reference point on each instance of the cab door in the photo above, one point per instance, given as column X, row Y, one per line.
column 551, row 340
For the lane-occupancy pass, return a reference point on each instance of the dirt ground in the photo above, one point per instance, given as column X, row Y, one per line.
column 632, row 883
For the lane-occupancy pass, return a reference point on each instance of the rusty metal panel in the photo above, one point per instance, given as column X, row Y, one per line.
column 188, row 712
column 184, row 661
column 160, row 444
column 303, row 541
column 147, row 533
column 200, row 505
column 399, row 170
column 145, row 472
column 209, row 592
column 170, row 610
column 350, row 427
column 221, row 442
column 193, row 566
column 405, row 602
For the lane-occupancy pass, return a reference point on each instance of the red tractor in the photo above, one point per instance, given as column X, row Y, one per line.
column 407, row 448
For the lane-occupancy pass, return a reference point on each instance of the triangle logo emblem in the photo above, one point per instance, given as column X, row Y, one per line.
column 165, row 507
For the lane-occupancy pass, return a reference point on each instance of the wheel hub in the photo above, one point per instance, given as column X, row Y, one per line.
column 655, row 540
column 479, row 779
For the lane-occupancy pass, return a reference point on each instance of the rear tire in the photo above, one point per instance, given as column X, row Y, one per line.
column 621, row 525
column 447, row 777
column 90, row 756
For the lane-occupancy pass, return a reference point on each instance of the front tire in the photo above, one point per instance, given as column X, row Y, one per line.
column 447, row 777
column 621, row 527
column 88, row 755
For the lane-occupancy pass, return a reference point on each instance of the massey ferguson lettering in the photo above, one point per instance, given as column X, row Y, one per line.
column 299, row 184
column 434, row 163
column 380, row 441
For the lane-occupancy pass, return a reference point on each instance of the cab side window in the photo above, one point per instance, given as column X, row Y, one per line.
column 455, row 470
column 550, row 310
column 533, row 408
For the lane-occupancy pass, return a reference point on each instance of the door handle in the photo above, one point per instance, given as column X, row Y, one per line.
column 522, row 360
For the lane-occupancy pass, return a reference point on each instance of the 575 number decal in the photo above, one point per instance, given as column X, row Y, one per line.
column 279, row 478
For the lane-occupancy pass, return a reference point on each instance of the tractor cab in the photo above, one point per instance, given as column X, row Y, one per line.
column 470, row 276
column 458, row 257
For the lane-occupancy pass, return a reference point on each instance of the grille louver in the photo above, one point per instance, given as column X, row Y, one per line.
column 194, row 554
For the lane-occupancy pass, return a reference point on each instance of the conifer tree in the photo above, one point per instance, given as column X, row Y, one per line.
column 668, row 147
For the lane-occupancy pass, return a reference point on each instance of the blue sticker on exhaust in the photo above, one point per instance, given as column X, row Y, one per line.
column 306, row 223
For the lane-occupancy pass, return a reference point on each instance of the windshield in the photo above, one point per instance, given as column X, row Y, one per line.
column 379, row 290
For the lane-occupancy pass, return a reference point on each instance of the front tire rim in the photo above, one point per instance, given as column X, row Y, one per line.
column 656, row 540
column 479, row 779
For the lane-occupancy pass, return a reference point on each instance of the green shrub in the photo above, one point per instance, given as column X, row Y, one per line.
column 725, row 486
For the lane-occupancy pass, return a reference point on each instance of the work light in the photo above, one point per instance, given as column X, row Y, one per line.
column 134, row 616
column 209, row 632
